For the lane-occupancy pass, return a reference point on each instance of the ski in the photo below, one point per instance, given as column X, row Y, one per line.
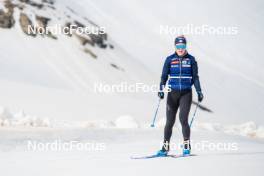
column 157, row 156
column 182, row 156
column 147, row 157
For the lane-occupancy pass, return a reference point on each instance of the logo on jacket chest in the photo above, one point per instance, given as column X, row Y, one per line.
column 184, row 63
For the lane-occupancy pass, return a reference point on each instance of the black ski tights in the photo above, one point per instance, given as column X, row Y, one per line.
column 176, row 99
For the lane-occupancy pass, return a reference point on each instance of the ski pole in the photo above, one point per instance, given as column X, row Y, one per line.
column 194, row 113
column 155, row 116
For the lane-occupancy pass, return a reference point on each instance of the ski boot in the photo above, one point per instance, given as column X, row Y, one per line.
column 186, row 148
column 164, row 151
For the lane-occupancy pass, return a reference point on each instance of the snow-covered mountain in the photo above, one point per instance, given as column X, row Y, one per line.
column 230, row 65
column 47, row 81
column 47, row 74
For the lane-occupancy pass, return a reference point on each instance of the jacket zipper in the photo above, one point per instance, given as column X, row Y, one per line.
column 180, row 72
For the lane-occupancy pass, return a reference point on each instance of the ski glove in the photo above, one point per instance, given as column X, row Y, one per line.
column 161, row 95
column 200, row 96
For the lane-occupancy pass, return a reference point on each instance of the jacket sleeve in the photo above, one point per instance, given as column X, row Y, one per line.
column 195, row 75
column 165, row 74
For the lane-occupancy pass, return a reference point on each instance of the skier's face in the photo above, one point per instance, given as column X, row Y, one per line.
column 180, row 49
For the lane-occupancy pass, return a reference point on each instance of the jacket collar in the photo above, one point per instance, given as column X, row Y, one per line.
column 184, row 56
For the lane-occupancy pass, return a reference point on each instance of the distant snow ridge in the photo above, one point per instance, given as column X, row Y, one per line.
column 248, row 129
column 8, row 119
column 208, row 126
column 21, row 119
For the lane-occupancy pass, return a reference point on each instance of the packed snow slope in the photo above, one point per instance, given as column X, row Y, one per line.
column 119, row 145
column 54, row 78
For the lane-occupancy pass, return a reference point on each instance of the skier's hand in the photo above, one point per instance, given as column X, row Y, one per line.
column 161, row 94
column 200, row 96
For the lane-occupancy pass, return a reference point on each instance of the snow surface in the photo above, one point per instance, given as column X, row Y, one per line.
column 120, row 145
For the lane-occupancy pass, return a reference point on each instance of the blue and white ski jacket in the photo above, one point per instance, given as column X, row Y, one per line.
column 182, row 73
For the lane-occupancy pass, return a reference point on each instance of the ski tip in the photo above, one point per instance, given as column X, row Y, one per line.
column 144, row 157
